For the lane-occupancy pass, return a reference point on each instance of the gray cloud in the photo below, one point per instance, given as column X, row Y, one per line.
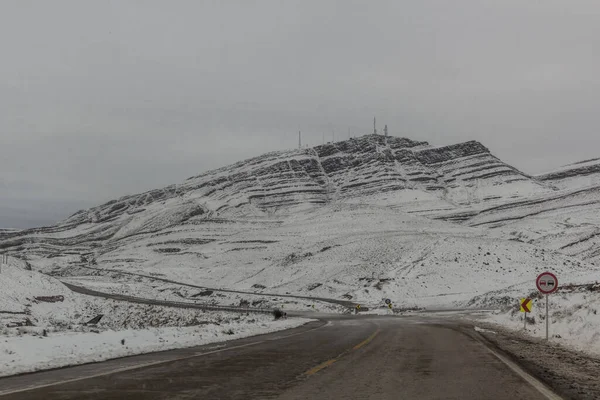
column 102, row 99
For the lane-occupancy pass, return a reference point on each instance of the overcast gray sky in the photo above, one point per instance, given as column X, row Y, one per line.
column 105, row 98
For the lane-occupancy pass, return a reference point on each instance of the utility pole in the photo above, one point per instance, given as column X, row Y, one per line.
column 299, row 140
column 374, row 126
column 385, row 131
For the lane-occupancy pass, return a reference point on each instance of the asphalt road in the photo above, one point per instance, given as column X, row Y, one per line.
column 338, row 358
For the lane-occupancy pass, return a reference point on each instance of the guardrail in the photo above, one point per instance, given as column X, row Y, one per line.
column 165, row 303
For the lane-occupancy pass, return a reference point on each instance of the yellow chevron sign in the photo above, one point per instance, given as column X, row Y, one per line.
column 525, row 305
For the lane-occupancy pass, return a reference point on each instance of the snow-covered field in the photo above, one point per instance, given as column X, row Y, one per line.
column 45, row 325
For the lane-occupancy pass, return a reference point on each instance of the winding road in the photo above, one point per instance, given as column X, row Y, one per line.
column 344, row 303
column 337, row 357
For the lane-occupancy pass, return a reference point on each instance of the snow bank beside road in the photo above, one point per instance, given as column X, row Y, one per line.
column 33, row 353
column 574, row 317
column 44, row 325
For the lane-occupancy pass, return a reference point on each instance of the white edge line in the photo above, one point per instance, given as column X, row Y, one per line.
column 150, row 364
column 537, row 384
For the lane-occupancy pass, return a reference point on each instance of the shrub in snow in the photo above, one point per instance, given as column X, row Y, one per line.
column 277, row 314
column 244, row 303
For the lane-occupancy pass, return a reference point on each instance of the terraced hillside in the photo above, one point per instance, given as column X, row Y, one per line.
column 576, row 175
column 387, row 171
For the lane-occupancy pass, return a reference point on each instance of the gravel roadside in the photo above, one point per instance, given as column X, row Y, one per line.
column 571, row 374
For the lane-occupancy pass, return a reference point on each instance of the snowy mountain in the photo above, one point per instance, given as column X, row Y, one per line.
column 282, row 182
column 363, row 219
column 387, row 171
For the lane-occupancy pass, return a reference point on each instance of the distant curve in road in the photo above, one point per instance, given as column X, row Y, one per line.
column 166, row 303
column 344, row 303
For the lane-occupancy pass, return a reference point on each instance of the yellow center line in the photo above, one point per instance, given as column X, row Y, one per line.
column 366, row 341
column 319, row 367
column 327, row 363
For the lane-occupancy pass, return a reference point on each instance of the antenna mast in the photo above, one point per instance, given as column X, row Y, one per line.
column 374, row 126
column 299, row 140
column 385, row 131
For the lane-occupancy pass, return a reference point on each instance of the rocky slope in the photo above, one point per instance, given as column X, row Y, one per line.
column 397, row 172
column 284, row 181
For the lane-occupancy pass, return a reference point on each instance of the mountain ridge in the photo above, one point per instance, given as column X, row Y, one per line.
column 342, row 170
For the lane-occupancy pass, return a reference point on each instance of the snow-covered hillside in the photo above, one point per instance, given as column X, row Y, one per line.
column 573, row 176
column 361, row 220
column 45, row 325
column 567, row 221
column 356, row 252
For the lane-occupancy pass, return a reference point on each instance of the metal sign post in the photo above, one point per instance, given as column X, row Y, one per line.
column 546, row 317
column 547, row 283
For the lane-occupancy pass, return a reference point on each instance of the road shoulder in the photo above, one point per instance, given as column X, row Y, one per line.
column 571, row 374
